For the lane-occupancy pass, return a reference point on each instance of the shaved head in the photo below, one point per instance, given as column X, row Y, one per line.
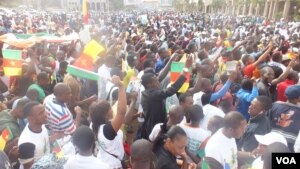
column 176, row 114
column 141, row 154
column 61, row 89
column 62, row 93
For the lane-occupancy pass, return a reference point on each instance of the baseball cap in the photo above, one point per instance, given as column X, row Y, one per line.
column 293, row 92
column 270, row 138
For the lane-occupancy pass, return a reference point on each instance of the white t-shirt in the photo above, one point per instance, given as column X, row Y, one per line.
column 209, row 111
column 222, row 149
column 155, row 131
column 40, row 140
column 114, row 147
column 79, row 162
column 196, row 136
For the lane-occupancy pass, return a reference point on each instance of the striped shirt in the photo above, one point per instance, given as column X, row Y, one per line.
column 60, row 118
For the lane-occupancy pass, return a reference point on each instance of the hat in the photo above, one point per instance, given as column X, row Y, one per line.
column 293, row 92
column 26, row 151
column 270, row 138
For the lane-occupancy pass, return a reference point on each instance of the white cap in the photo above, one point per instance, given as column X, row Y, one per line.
column 270, row 138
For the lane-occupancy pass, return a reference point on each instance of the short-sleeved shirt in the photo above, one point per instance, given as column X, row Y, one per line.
column 60, row 118
column 196, row 136
column 40, row 91
column 222, row 149
column 40, row 140
column 78, row 162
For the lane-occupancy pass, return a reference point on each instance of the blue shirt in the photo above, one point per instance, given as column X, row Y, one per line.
column 159, row 65
column 245, row 97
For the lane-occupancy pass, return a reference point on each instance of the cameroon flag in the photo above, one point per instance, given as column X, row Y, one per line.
column 57, row 150
column 176, row 68
column 5, row 137
column 12, row 62
column 83, row 66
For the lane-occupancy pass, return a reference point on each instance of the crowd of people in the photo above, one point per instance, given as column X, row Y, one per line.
column 242, row 102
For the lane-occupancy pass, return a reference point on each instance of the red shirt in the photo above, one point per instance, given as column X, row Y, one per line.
column 248, row 70
column 281, row 87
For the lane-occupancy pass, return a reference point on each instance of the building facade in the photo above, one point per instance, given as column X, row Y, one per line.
column 93, row 5
column 148, row 3
column 270, row 9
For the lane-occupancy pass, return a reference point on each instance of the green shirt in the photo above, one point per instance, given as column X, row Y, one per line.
column 40, row 91
column 7, row 121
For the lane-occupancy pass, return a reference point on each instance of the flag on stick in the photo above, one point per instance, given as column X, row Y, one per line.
column 12, row 62
column 5, row 137
column 176, row 68
column 83, row 66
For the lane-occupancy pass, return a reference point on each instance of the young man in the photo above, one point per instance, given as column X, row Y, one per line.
column 258, row 123
column 263, row 142
column 284, row 116
column 291, row 79
column 186, row 101
column 251, row 64
column 60, row 118
column 196, row 135
column 206, row 95
column 154, row 95
column 35, row 132
column 42, row 82
column 246, row 94
column 222, row 145
column 84, row 140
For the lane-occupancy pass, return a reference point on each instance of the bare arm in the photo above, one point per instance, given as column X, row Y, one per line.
column 121, row 109
column 131, row 111
column 197, row 86
column 264, row 55
column 284, row 74
column 87, row 100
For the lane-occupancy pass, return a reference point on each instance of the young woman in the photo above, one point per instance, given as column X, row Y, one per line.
column 107, row 128
column 168, row 146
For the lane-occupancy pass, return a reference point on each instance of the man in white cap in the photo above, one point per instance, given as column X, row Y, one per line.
column 264, row 141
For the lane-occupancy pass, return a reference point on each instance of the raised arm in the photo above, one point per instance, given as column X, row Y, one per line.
column 197, row 86
column 164, row 72
column 264, row 55
column 121, row 109
column 179, row 82
column 285, row 73
column 215, row 96
column 131, row 112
